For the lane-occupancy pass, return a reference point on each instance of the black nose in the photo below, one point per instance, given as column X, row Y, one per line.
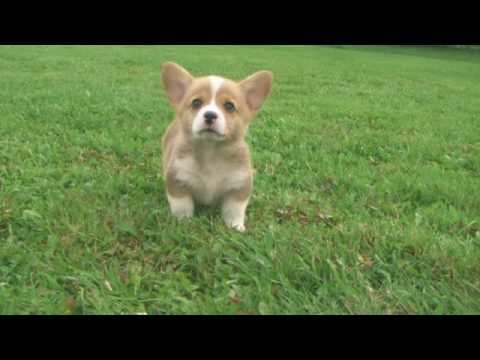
column 210, row 117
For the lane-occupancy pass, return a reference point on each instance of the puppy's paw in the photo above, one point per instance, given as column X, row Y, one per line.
column 235, row 223
column 181, row 208
column 238, row 227
column 183, row 214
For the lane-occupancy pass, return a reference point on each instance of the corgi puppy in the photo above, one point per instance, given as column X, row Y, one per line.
column 205, row 157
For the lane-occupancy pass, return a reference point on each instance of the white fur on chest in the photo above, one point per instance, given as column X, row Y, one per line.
column 211, row 181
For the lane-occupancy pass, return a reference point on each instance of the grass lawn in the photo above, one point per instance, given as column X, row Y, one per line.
column 366, row 199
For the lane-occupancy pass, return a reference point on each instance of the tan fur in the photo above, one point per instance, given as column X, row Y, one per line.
column 217, row 170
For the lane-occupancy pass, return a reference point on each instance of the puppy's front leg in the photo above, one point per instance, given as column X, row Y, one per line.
column 235, row 205
column 179, row 198
column 233, row 211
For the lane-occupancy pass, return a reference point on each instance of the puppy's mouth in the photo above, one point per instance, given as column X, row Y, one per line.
column 210, row 132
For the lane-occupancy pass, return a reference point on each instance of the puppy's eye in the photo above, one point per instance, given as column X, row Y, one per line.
column 197, row 103
column 229, row 107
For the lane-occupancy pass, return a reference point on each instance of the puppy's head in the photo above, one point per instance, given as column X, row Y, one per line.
column 213, row 108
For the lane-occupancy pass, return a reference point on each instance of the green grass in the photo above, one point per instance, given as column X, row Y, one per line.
column 366, row 199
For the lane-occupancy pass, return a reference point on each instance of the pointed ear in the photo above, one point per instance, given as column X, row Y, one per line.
column 176, row 81
column 257, row 88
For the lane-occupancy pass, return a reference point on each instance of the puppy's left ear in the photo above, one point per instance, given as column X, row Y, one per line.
column 257, row 88
column 176, row 81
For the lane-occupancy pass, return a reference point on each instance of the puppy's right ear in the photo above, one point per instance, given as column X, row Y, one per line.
column 176, row 81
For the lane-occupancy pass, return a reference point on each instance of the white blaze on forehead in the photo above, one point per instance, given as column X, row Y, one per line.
column 216, row 83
